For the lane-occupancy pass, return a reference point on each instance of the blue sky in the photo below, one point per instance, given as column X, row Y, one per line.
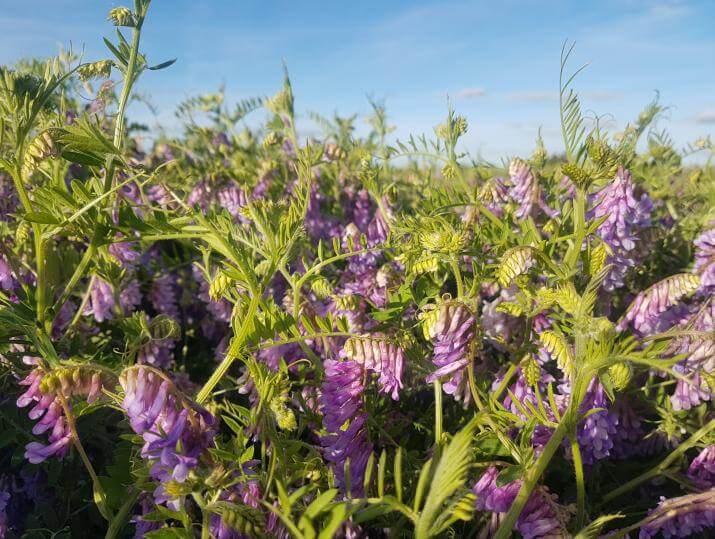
column 498, row 62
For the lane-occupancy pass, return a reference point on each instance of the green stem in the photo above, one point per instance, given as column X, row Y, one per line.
column 205, row 523
column 120, row 519
column 532, row 476
column 664, row 465
column 78, row 274
column 437, row 412
column 232, row 352
column 579, row 227
column 454, row 263
column 580, row 484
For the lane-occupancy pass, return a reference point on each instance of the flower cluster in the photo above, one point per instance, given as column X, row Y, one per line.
column 175, row 431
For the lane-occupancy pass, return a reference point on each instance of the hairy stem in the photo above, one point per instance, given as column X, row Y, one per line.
column 580, row 484
column 231, row 353
column 532, row 476
column 120, row 519
column 437, row 412
column 664, row 465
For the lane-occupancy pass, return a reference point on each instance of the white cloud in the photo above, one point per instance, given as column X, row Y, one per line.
column 470, row 93
column 532, row 96
column 706, row 117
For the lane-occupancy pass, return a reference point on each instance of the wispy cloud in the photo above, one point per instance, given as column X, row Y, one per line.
column 543, row 96
column 533, row 96
column 470, row 93
column 706, row 117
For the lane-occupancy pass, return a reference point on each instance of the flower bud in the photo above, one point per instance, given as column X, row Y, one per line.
column 95, row 70
column 219, row 286
column 121, row 16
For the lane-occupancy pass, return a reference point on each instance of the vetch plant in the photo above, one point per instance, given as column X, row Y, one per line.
column 248, row 333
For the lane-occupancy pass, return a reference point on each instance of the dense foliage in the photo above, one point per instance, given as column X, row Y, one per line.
column 242, row 333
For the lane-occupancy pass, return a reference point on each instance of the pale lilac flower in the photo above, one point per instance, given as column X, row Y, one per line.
column 629, row 435
column 452, row 333
column 705, row 260
column 141, row 526
column 4, row 499
column 699, row 361
column 540, row 517
column 201, row 195
column 245, row 491
column 341, row 403
column 524, row 188
column 625, row 216
column 654, row 301
column 163, row 295
column 48, row 409
column 702, row 470
column 175, row 430
column 101, row 300
column 681, row 517
column 232, row 199
column 595, row 433
column 525, row 191
column 159, row 194
column 130, row 296
column 8, row 282
column 378, row 355
column 126, row 252
column 494, row 193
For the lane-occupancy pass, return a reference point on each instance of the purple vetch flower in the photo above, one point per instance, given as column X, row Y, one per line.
column 175, row 430
column 8, row 282
column 702, row 470
column 48, row 409
column 141, row 526
column 380, row 356
column 8, row 198
column 201, row 195
column 126, row 252
column 524, row 188
column 525, row 191
column 451, row 330
column 499, row 327
column 4, row 501
column 681, row 517
column 159, row 195
column 101, row 300
column 526, row 397
column 318, row 224
column 342, row 403
column 494, row 193
column 595, row 433
column 272, row 356
column 699, row 362
column 244, row 491
column 232, row 199
column 625, row 216
column 629, row 435
column 361, row 210
column 705, row 260
column 163, row 295
column 157, row 353
column 541, row 517
column 130, row 296
column 653, row 301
